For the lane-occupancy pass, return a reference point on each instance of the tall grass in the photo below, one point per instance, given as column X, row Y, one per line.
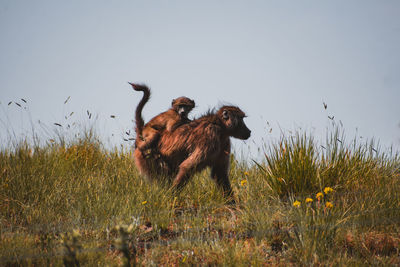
column 71, row 200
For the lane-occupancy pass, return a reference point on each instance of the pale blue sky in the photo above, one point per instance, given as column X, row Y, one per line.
column 277, row 60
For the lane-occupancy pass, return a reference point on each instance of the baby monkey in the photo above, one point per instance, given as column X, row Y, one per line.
column 168, row 120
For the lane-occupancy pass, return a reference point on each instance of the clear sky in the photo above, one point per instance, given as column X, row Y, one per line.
column 277, row 60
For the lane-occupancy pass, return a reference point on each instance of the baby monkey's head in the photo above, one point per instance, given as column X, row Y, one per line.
column 183, row 105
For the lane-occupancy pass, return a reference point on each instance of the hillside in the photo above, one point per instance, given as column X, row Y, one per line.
column 305, row 203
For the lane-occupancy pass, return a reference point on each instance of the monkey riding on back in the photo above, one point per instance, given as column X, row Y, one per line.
column 193, row 146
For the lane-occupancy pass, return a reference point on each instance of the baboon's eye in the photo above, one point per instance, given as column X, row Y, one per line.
column 225, row 115
column 185, row 107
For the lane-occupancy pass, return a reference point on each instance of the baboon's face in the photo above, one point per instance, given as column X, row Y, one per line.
column 183, row 106
column 232, row 117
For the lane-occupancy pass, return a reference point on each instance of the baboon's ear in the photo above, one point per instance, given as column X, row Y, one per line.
column 225, row 115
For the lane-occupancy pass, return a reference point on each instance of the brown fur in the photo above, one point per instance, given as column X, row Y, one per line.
column 204, row 142
column 138, row 114
column 168, row 120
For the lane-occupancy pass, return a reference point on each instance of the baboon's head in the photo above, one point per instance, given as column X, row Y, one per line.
column 183, row 105
column 232, row 118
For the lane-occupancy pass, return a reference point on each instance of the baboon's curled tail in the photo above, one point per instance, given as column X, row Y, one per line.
column 139, row 108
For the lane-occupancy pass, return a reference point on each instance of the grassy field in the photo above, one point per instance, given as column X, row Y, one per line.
column 306, row 203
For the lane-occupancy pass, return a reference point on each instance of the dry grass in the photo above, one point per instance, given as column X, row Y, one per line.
column 70, row 200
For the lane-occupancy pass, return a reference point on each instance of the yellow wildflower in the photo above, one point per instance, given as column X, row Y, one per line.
column 75, row 233
column 246, row 173
column 329, row 205
column 319, row 196
column 144, row 202
column 308, row 200
column 296, row 203
column 327, row 190
column 243, row 182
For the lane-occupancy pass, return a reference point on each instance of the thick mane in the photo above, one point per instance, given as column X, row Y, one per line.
column 209, row 112
column 209, row 115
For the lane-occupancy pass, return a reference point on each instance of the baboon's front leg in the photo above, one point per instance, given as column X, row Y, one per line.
column 186, row 169
column 219, row 173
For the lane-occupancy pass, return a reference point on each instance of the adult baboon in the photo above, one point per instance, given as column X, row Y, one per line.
column 168, row 120
column 204, row 142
